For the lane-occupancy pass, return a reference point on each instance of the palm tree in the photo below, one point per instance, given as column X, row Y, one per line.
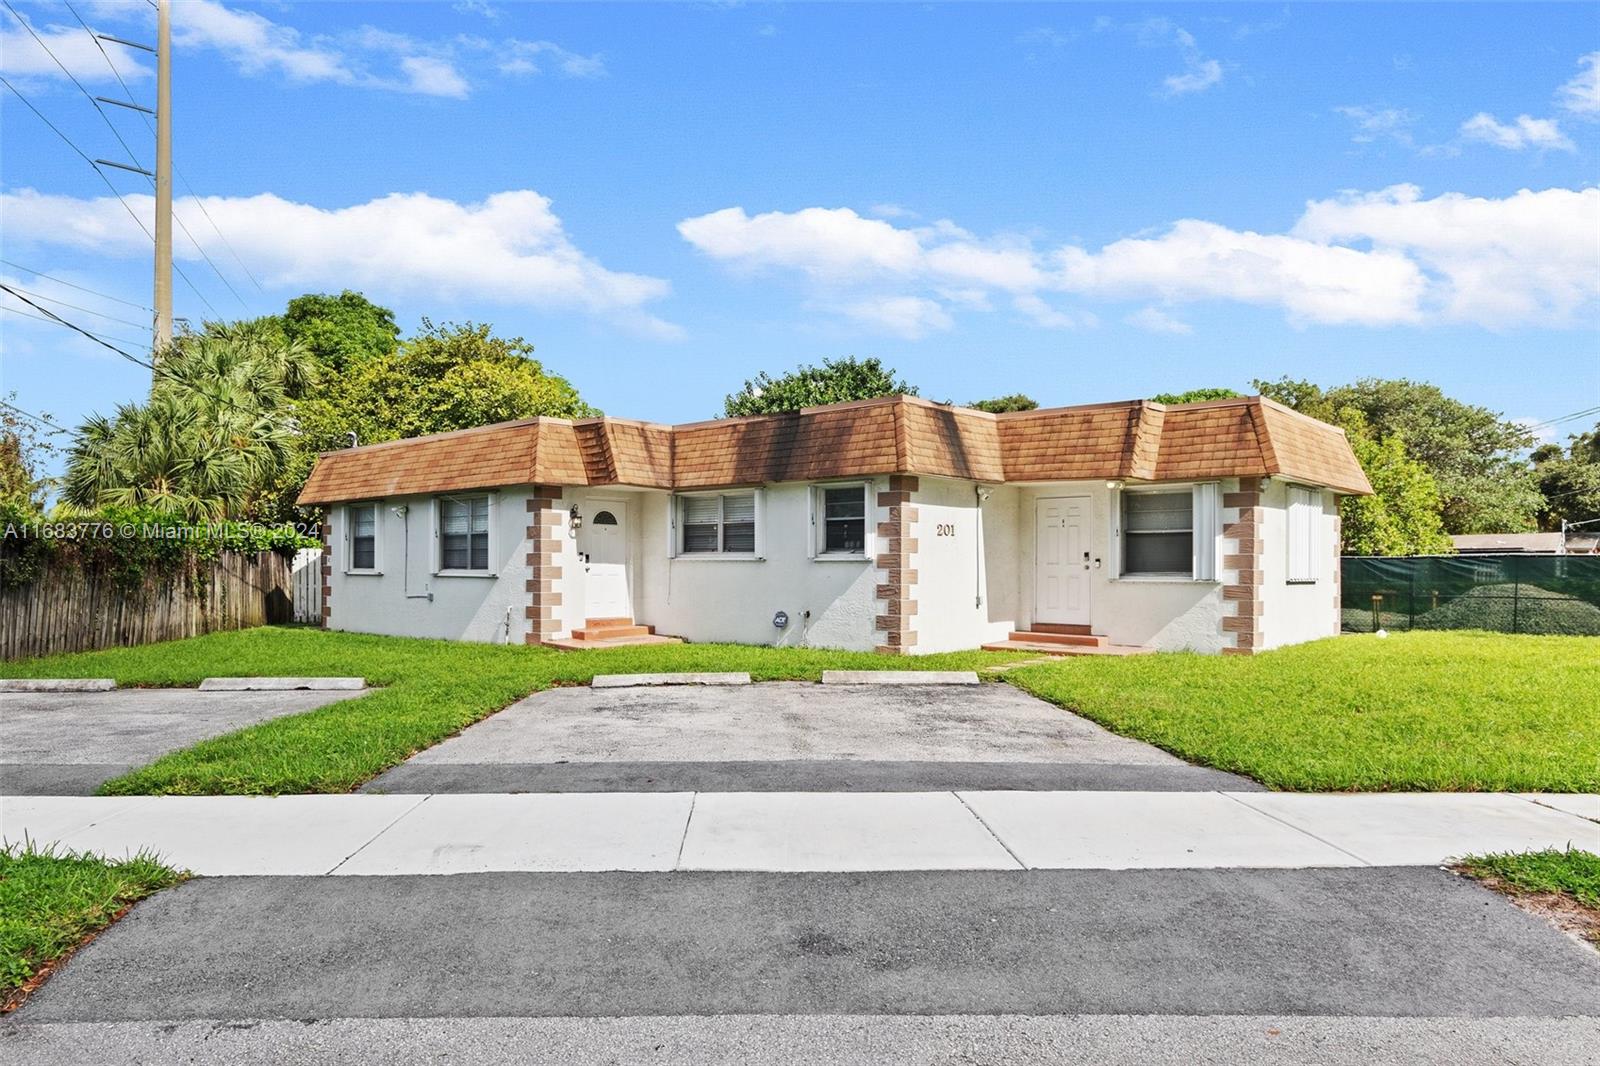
column 217, row 428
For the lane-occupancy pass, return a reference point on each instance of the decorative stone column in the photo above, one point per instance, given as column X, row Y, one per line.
column 1243, row 591
column 546, row 523
column 897, row 590
column 325, row 565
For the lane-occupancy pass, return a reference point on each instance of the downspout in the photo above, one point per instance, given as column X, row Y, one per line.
column 977, row 545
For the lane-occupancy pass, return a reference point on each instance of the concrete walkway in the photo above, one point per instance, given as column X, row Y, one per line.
column 801, row 831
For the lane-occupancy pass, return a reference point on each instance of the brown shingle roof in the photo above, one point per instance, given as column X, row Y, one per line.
column 1137, row 440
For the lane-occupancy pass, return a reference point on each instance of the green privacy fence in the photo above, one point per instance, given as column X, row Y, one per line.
column 1508, row 593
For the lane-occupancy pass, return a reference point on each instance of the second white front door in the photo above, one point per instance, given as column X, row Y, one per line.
column 603, row 540
column 1061, row 560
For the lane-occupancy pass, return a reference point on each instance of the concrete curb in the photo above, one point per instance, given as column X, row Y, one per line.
column 649, row 680
column 282, row 684
column 57, row 684
column 899, row 677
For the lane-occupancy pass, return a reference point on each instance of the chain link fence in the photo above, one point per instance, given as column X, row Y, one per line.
column 1507, row 593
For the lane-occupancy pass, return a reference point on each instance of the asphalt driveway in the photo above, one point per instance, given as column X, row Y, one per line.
column 792, row 736
column 67, row 743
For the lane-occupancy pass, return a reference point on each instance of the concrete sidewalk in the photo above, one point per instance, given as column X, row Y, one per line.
column 801, row 831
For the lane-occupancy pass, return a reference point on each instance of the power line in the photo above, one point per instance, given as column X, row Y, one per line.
column 114, row 190
column 43, row 421
column 80, row 288
column 20, row 313
column 1564, row 418
column 112, row 126
column 76, row 328
column 85, row 310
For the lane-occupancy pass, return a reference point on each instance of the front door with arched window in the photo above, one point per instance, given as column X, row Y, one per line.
column 603, row 543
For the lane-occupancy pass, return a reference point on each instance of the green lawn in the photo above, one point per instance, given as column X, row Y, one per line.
column 1416, row 711
column 49, row 903
column 431, row 690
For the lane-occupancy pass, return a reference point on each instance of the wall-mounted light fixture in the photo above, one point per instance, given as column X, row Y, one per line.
column 1113, row 484
column 574, row 518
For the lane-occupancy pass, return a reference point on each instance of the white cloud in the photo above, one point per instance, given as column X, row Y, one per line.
column 1155, row 320
column 1529, row 258
column 1581, row 95
column 509, row 249
column 530, row 57
column 22, row 57
column 1201, row 75
column 477, row 7
column 1524, row 132
column 830, row 244
column 1377, row 259
column 911, row 317
column 1378, row 123
column 434, row 77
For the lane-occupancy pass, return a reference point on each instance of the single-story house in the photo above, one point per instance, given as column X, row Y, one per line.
column 893, row 524
column 1510, row 543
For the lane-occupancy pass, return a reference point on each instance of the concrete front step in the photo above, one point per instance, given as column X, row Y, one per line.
column 1047, row 648
column 611, row 632
column 1050, row 636
column 1061, row 627
column 575, row 643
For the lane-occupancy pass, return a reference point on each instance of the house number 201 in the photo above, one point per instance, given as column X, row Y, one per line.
column 945, row 529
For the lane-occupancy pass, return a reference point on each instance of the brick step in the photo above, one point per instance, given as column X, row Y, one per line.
column 611, row 632
column 1087, row 640
column 1047, row 648
column 1061, row 627
column 599, row 623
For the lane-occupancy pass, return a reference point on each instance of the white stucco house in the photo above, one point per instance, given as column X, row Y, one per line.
column 893, row 524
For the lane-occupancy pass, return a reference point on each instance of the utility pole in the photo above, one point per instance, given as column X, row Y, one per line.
column 163, row 282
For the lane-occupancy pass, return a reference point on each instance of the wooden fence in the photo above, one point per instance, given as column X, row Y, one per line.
column 65, row 609
column 307, row 569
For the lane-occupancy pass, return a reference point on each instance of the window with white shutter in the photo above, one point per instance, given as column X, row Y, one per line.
column 717, row 524
column 363, row 526
column 464, row 533
column 1305, row 511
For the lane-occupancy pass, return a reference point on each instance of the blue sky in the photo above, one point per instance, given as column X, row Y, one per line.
column 1083, row 203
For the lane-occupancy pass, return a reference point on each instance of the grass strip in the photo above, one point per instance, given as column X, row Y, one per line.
column 52, row 902
column 1562, row 886
column 430, row 690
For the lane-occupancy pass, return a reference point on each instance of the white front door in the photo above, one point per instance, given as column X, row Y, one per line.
column 1061, row 560
column 603, row 540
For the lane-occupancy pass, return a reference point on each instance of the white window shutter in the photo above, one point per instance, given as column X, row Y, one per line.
column 1305, row 510
column 869, row 514
column 1114, row 542
column 761, row 523
column 672, row 526
column 1207, row 529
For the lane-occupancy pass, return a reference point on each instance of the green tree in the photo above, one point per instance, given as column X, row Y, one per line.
column 1195, row 395
column 1569, row 481
column 1472, row 452
column 341, row 331
column 1001, row 404
column 835, row 381
column 24, row 446
column 213, row 438
column 1402, row 516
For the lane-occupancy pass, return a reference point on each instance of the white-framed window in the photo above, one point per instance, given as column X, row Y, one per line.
column 840, row 513
column 464, row 534
column 361, row 538
column 1158, row 532
column 1305, row 510
column 712, row 524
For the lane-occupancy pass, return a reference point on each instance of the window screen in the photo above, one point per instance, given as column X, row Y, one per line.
column 364, row 537
column 1158, row 532
column 844, row 520
column 464, row 533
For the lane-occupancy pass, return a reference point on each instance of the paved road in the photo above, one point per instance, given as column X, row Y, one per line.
column 839, row 1040
column 1385, row 942
column 66, row 744
column 784, row 736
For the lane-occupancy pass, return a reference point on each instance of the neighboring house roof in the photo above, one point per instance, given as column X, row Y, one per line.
column 1539, row 543
column 1135, row 441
